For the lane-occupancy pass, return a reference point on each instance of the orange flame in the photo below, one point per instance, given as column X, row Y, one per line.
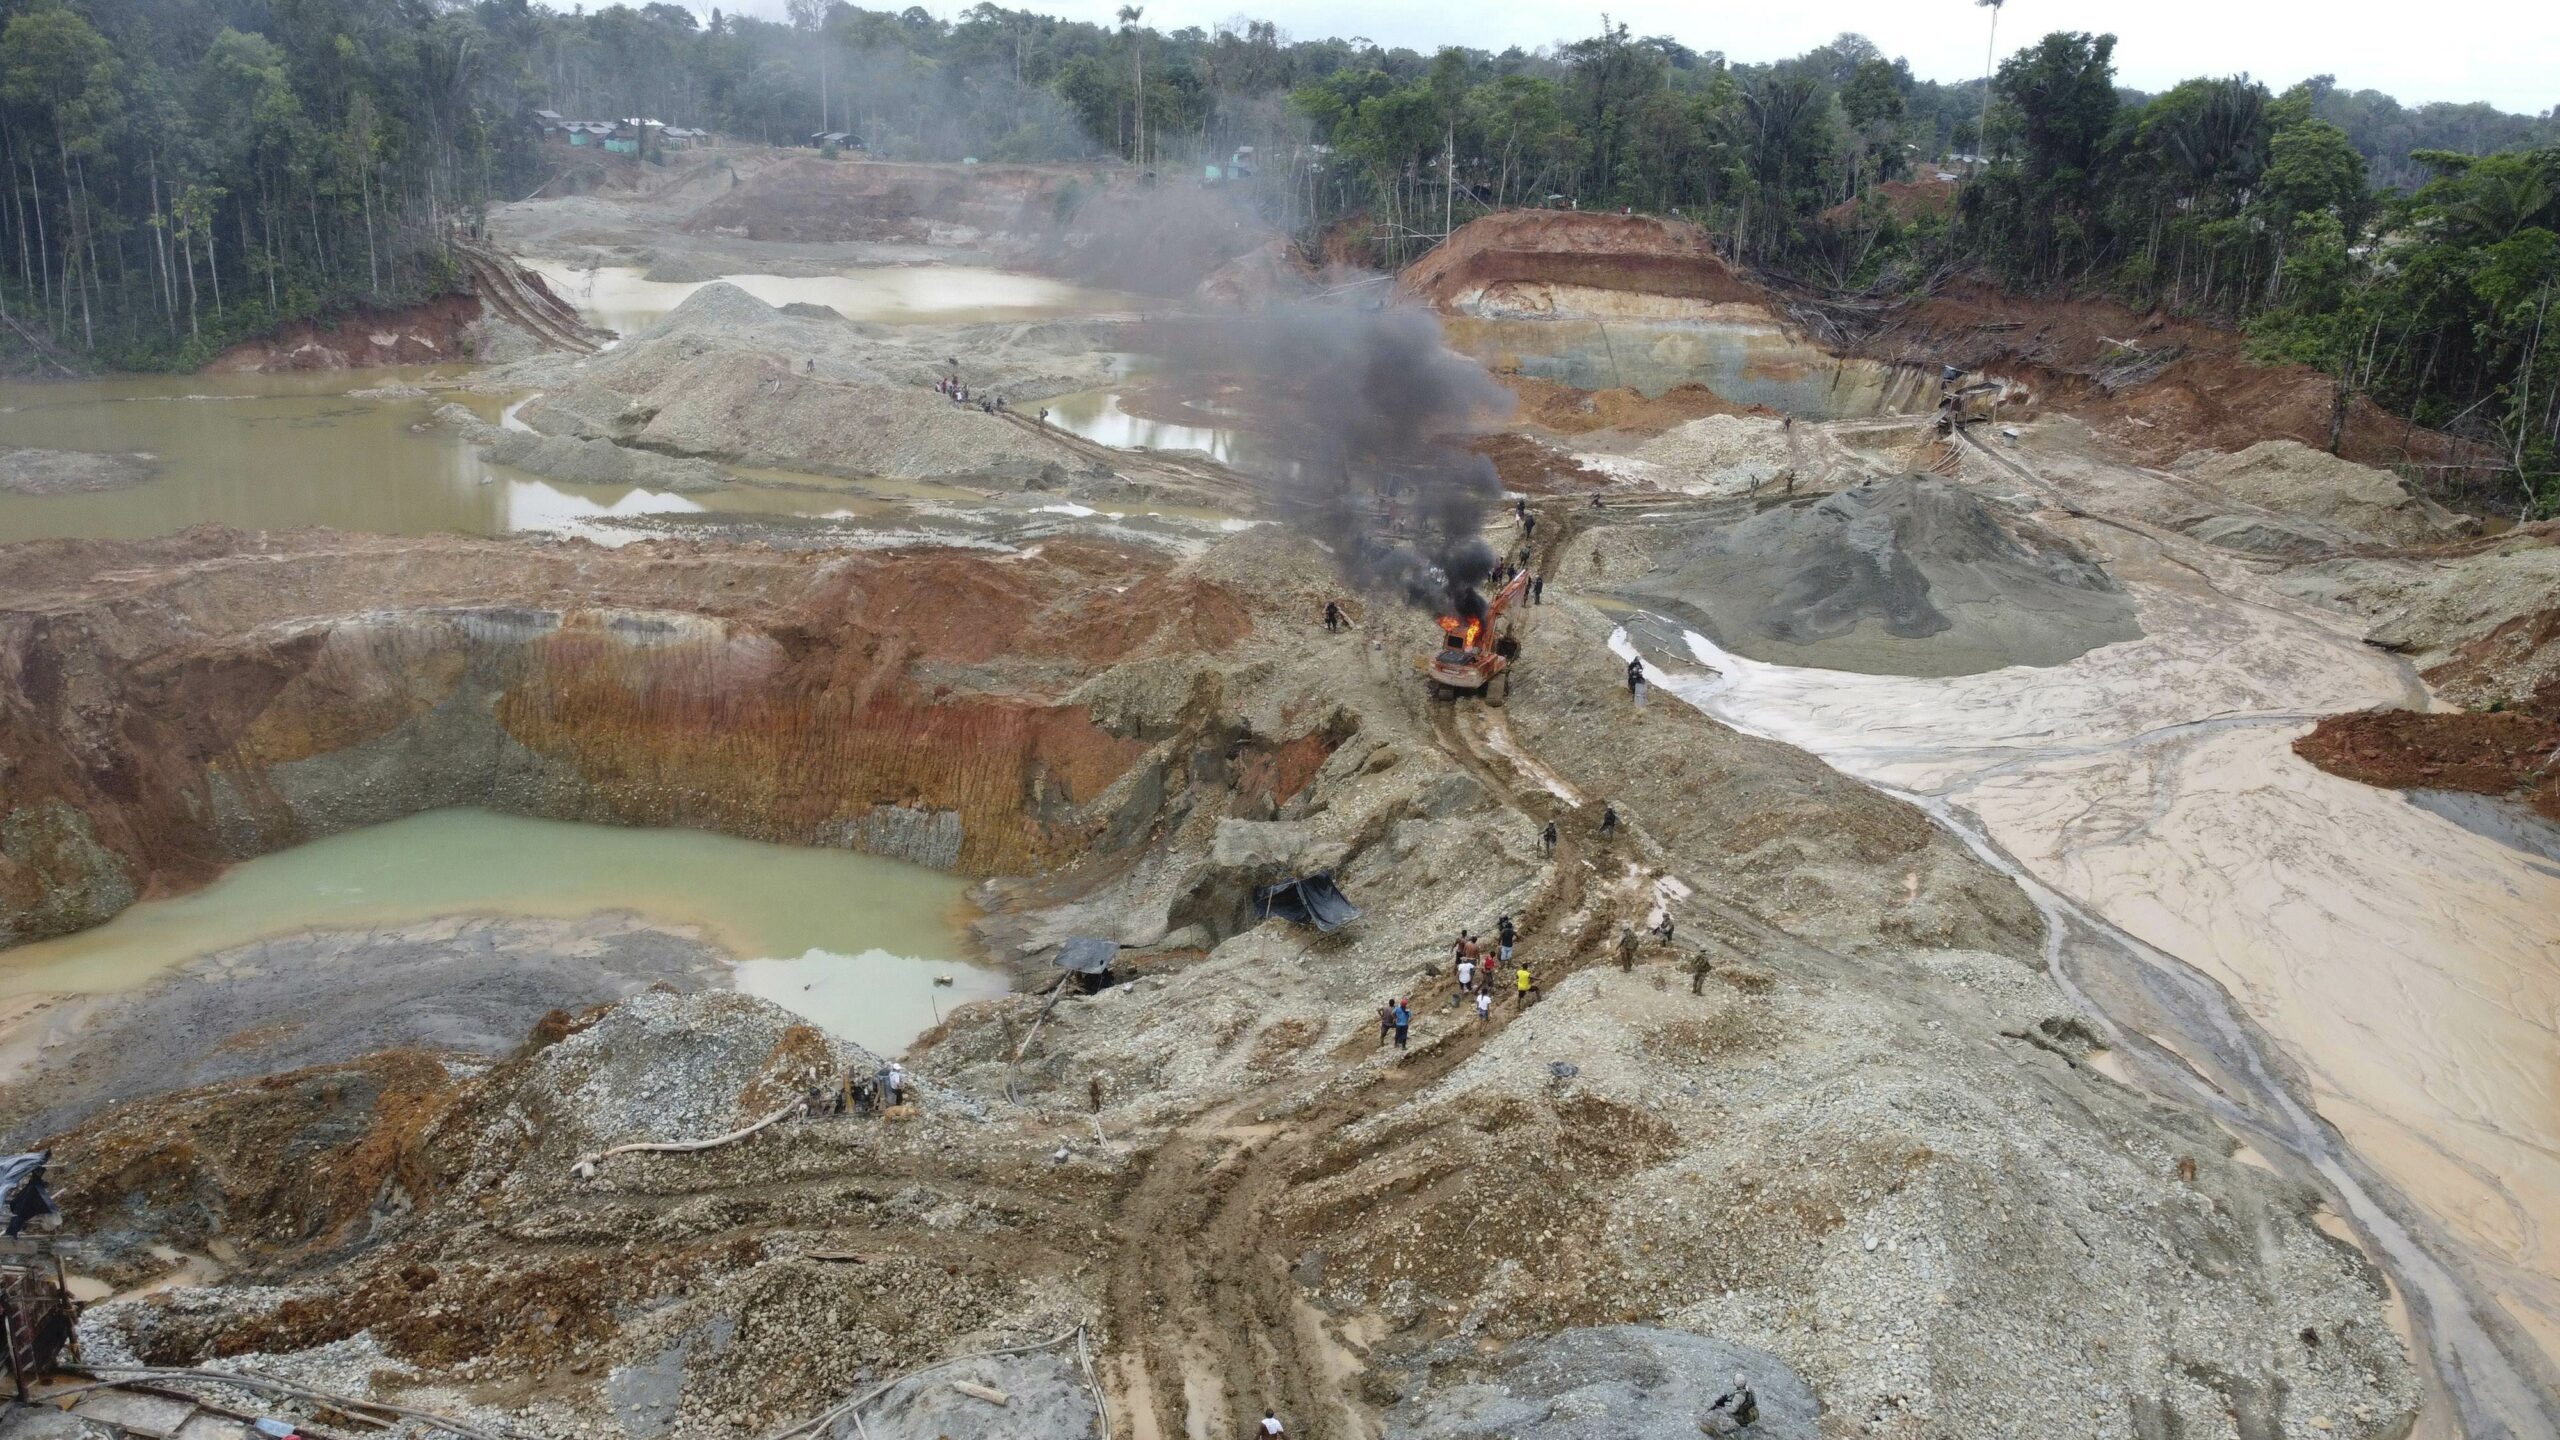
column 1465, row 632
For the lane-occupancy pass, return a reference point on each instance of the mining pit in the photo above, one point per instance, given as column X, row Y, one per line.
column 2063, row 944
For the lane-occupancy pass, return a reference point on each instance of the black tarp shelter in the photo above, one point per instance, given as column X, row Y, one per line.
column 1086, row 956
column 1307, row 900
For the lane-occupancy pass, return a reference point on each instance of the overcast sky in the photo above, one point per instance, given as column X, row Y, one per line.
column 2506, row 52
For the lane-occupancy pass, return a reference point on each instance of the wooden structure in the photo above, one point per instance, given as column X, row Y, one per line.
column 36, row 1309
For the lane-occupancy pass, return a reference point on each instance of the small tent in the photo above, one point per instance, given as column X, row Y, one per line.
column 1306, row 900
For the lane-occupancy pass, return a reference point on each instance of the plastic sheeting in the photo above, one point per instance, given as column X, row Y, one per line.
column 1086, row 956
column 1307, row 900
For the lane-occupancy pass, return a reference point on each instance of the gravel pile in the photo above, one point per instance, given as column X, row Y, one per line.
column 1618, row 1382
column 727, row 377
column 1716, row 454
column 1913, row 576
column 2290, row 478
column 582, row 461
column 666, row 1067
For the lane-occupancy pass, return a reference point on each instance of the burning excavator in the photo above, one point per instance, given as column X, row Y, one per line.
column 1477, row 651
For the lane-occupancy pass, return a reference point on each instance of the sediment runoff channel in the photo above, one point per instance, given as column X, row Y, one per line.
column 2289, row 950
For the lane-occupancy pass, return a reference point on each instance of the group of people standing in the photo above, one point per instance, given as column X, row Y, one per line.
column 950, row 388
column 1479, row 969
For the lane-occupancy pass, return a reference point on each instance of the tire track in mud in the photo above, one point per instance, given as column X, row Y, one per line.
column 1208, row 1324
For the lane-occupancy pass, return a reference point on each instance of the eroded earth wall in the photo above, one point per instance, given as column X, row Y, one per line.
column 171, row 707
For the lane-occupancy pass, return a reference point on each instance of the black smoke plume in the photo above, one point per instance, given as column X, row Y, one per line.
column 1368, row 409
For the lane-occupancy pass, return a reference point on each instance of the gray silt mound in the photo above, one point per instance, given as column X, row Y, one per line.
column 73, row 472
column 1913, row 576
column 1614, row 1382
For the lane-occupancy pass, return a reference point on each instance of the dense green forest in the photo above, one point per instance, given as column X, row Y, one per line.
column 187, row 172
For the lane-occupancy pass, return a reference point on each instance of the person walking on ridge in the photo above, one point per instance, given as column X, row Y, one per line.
column 1626, row 948
column 1547, row 838
column 1404, row 1022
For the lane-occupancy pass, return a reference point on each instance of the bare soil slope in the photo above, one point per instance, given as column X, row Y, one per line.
column 1544, row 261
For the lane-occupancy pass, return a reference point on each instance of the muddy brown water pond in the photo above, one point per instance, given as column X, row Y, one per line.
column 284, row 451
column 1746, row 364
column 855, row 943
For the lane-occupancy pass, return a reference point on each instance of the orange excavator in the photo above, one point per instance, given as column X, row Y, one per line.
column 1474, row 659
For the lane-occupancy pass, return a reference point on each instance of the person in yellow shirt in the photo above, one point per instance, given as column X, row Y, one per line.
column 1525, row 983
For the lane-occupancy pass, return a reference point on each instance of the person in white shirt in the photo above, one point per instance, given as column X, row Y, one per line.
column 1271, row 1425
column 1484, row 1004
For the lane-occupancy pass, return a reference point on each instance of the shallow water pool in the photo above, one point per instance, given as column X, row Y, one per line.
column 853, row 942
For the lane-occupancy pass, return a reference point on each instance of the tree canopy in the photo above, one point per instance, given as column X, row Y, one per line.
column 183, row 174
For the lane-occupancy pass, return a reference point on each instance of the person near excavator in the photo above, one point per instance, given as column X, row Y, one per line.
column 1635, row 678
column 1699, row 968
column 1626, row 947
column 1609, row 820
column 1404, row 1022
column 1547, row 838
column 1333, row 619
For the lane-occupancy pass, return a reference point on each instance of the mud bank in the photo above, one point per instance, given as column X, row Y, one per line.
column 471, row 985
column 436, row 332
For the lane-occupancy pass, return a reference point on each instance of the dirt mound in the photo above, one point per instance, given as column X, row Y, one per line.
column 1555, row 262
column 2513, row 752
column 1720, row 454
column 2480, row 620
column 1904, row 200
column 2161, row 387
column 1915, row 576
column 1530, row 468
column 2296, row 481
column 809, row 198
column 427, row 334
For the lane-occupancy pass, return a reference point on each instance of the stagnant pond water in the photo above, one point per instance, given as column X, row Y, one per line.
column 853, row 942
column 619, row 299
column 282, row 451
column 1746, row 364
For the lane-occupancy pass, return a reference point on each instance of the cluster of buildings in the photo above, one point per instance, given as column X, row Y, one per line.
column 618, row 137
